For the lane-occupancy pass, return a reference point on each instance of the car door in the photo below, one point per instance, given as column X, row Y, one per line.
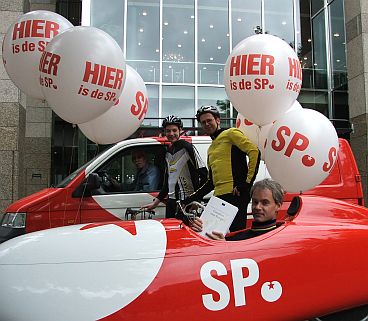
column 119, row 195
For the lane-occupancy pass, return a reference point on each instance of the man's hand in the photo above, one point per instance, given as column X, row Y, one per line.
column 197, row 226
column 152, row 205
column 218, row 236
column 236, row 192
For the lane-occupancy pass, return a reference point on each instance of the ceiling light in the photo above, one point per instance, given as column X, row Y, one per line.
column 166, row 23
column 141, row 30
column 179, row 45
column 239, row 19
column 283, row 23
column 211, row 58
column 227, row 35
column 211, row 26
column 185, row 32
column 157, row 50
column 204, row 68
column 309, row 40
column 315, row 64
column 144, row 13
column 170, row 67
column 139, row 44
column 338, row 60
column 336, row 34
column 219, row 47
column 305, row 58
column 191, row 17
column 203, row 40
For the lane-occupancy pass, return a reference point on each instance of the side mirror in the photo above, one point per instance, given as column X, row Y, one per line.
column 91, row 183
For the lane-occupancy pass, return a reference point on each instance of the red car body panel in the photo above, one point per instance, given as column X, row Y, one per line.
column 313, row 264
column 54, row 207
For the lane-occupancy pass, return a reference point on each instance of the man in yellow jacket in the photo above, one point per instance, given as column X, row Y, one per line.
column 230, row 174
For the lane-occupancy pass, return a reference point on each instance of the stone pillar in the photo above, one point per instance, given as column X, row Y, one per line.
column 25, row 124
column 356, row 22
column 12, row 120
column 37, row 166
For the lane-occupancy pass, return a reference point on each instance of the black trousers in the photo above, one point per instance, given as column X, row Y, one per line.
column 171, row 208
column 241, row 202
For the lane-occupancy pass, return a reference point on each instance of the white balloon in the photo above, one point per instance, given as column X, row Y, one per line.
column 257, row 134
column 262, row 78
column 124, row 118
column 82, row 73
column 301, row 149
column 24, row 44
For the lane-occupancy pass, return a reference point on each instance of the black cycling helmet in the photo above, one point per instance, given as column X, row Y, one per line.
column 172, row 120
column 207, row 109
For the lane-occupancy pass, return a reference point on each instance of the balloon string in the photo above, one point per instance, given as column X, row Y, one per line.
column 75, row 127
column 84, row 189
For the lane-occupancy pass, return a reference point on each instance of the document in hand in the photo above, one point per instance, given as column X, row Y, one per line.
column 217, row 216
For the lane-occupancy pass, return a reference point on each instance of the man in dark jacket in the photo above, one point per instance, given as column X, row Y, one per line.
column 267, row 197
column 184, row 171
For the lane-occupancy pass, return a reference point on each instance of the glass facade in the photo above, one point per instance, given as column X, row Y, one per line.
column 179, row 47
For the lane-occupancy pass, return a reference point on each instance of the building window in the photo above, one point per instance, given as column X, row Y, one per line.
column 279, row 19
column 178, row 100
column 319, row 52
column 178, row 41
column 338, row 46
column 213, row 41
column 143, row 38
column 245, row 19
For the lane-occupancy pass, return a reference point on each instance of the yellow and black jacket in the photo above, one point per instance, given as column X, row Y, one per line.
column 228, row 165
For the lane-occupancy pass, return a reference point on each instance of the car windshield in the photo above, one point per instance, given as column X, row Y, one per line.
column 69, row 178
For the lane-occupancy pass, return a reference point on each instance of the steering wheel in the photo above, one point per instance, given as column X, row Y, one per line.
column 107, row 182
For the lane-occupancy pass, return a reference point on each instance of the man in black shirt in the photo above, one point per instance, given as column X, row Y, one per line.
column 267, row 197
column 185, row 170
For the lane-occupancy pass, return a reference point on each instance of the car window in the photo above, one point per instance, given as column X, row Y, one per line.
column 134, row 170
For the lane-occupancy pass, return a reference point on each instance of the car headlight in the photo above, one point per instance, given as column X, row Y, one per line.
column 14, row 220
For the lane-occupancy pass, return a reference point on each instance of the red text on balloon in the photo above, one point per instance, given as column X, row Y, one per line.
column 252, row 64
column 35, row 29
column 142, row 105
column 49, row 63
column 298, row 141
column 102, row 75
column 332, row 153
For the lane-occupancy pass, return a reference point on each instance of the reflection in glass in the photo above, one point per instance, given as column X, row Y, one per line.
column 316, row 5
column 143, row 39
column 213, row 41
column 340, row 105
column 109, row 18
column 245, row 19
column 151, row 118
column 279, row 19
column 216, row 97
column 338, row 45
column 319, row 52
column 317, row 100
column 178, row 100
column 305, row 51
column 178, row 41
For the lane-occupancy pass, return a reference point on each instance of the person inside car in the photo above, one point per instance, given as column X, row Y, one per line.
column 147, row 176
column 267, row 197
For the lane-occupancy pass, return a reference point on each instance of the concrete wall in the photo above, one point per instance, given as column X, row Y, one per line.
column 356, row 20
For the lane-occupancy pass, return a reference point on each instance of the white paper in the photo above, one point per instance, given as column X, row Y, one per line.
column 217, row 216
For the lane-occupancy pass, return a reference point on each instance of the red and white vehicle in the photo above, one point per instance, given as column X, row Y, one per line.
column 312, row 265
column 83, row 198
